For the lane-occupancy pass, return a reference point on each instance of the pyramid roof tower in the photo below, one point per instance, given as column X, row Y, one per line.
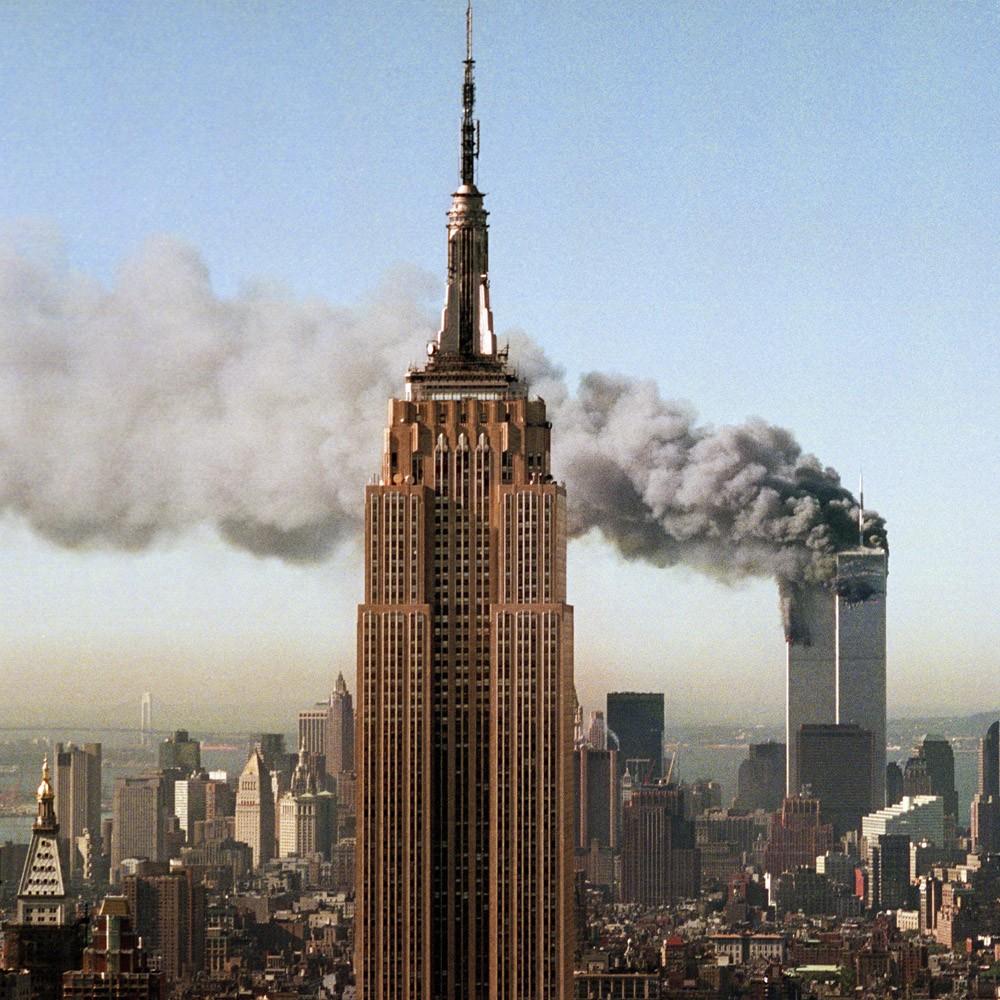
column 41, row 895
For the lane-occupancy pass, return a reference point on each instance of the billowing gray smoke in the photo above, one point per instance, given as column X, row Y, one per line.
column 137, row 412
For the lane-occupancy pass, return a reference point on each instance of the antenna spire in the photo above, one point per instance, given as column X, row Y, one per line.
column 470, row 127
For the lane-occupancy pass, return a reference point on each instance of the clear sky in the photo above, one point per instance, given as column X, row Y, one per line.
column 779, row 210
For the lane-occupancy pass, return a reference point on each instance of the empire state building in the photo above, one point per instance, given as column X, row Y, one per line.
column 465, row 668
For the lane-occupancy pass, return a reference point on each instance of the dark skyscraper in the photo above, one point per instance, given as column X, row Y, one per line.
column 180, row 752
column 465, row 677
column 988, row 777
column 636, row 718
column 761, row 777
column 835, row 764
column 940, row 759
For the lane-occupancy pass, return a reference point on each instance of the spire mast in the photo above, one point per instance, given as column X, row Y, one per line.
column 470, row 127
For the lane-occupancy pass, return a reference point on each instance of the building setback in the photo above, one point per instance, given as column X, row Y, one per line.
column 465, row 677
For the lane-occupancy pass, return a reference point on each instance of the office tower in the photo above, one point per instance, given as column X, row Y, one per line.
column 916, row 777
column 43, row 937
column 597, row 797
column 169, row 915
column 306, row 812
column 889, row 872
column 939, row 760
column 145, row 719
column 340, row 730
column 660, row 863
column 920, row 818
column 636, row 719
column 255, row 808
column 984, row 820
column 988, row 776
column 465, row 680
column 114, row 963
column 77, row 775
column 835, row 765
column 141, row 820
column 893, row 783
column 796, row 835
column 220, row 800
column 760, row 781
column 327, row 730
column 190, row 804
column 860, row 587
column 313, row 724
column 180, row 752
column 810, row 679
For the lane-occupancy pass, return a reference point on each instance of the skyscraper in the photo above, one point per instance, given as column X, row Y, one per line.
column 143, row 811
column 760, row 781
column 836, row 658
column 340, row 730
column 660, row 863
column 860, row 586
column 636, row 719
column 327, row 730
column 988, row 776
column 465, row 678
column 835, row 764
column 810, row 688
column 255, row 804
column 78, row 799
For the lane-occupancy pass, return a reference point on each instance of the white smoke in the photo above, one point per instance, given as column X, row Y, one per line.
column 136, row 412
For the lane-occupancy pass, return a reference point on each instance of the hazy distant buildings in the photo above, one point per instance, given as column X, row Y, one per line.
column 939, row 758
column 835, row 765
column 77, row 786
column 255, row 807
column 636, row 719
column 761, row 777
column 180, row 752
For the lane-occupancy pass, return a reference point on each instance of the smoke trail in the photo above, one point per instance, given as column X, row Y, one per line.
column 136, row 412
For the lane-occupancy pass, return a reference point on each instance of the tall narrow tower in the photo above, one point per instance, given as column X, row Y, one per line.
column 465, row 676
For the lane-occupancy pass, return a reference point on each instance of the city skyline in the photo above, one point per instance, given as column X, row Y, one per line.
column 185, row 607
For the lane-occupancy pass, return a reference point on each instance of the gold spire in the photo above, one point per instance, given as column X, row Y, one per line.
column 46, row 818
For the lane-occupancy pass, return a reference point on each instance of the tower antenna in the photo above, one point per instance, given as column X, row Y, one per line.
column 470, row 127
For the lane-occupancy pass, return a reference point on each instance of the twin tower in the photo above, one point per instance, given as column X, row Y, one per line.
column 836, row 661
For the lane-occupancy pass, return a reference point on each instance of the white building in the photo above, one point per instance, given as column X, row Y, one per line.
column 920, row 817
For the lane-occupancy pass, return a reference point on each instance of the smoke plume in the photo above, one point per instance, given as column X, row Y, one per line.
column 135, row 412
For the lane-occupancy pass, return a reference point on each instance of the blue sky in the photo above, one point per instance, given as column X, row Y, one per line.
column 781, row 210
